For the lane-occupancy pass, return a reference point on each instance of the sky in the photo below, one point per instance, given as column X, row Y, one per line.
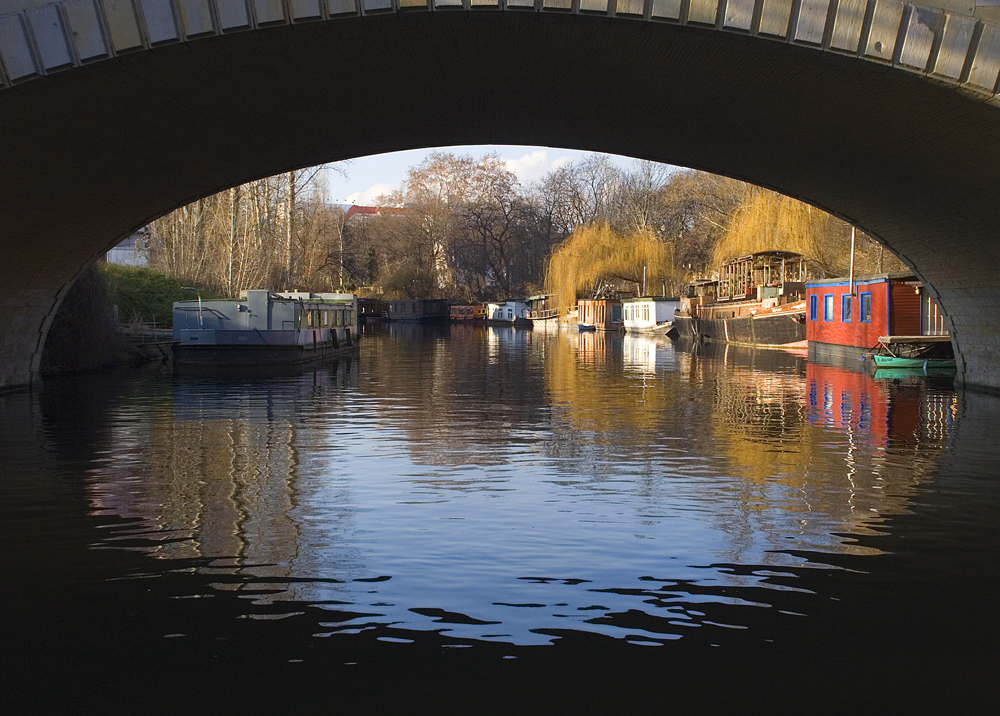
column 369, row 177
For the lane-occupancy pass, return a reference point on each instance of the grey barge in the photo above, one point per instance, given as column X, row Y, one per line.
column 263, row 329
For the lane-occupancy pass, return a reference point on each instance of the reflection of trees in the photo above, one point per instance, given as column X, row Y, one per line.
column 459, row 394
column 585, row 377
column 829, row 448
column 782, row 452
column 219, row 478
column 773, row 453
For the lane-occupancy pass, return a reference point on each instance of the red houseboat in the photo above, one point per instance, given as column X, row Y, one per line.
column 847, row 320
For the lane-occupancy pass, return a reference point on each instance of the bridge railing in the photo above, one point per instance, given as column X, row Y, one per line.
column 944, row 46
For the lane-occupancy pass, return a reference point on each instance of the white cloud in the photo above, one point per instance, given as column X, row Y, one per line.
column 535, row 165
column 369, row 196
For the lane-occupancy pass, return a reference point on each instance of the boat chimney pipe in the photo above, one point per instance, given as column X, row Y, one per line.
column 851, row 284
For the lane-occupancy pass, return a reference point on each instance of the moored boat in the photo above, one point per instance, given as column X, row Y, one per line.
column 925, row 353
column 884, row 361
column 599, row 314
column 758, row 300
column 652, row 315
column 512, row 311
column 262, row 329
column 372, row 311
column 857, row 318
column 542, row 310
column 466, row 313
column 419, row 310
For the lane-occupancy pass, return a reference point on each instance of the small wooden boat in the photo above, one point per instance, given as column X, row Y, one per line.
column 888, row 361
column 920, row 353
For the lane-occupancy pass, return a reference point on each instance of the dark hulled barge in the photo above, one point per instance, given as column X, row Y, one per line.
column 758, row 300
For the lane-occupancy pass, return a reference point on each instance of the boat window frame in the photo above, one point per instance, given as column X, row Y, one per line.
column 866, row 307
column 813, row 302
column 846, row 308
column 827, row 307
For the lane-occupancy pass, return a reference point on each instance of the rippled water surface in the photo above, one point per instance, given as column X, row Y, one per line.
column 491, row 520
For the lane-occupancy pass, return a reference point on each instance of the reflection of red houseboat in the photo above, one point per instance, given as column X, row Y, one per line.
column 857, row 405
column 846, row 320
column 847, row 400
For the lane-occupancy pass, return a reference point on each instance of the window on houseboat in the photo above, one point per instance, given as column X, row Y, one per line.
column 828, row 307
column 866, row 307
column 845, row 308
column 812, row 308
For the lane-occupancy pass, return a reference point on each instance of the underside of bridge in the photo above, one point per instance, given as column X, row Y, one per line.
column 93, row 152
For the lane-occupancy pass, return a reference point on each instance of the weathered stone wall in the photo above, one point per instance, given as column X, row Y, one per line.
column 25, row 315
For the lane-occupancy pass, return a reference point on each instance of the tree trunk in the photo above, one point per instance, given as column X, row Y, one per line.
column 290, row 230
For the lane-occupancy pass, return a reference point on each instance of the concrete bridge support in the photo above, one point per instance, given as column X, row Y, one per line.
column 113, row 112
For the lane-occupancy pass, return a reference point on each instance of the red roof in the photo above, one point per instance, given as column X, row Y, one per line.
column 371, row 210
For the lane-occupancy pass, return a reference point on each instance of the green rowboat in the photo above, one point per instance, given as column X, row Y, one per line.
column 884, row 361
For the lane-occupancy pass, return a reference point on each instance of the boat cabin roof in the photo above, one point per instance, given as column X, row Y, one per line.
column 639, row 299
column 899, row 276
column 779, row 255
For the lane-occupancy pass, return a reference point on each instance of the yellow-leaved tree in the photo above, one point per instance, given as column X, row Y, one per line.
column 767, row 221
column 596, row 252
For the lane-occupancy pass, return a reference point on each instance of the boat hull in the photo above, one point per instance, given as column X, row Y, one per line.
column 882, row 361
column 662, row 329
column 778, row 329
column 228, row 356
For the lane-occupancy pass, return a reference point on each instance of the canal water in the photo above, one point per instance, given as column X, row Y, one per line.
column 482, row 520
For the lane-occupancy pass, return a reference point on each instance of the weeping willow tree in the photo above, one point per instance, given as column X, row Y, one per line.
column 768, row 221
column 595, row 252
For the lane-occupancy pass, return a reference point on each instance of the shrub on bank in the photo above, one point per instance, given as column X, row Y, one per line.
column 144, row 294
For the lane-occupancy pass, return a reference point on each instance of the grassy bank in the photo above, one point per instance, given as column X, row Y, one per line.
column 144, row 294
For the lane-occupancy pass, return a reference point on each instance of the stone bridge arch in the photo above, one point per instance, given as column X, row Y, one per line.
column 113, row 112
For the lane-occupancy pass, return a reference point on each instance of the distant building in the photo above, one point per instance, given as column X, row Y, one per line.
column 133, row 251
column 352, row 210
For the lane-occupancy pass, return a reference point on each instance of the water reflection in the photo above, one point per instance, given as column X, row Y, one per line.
column 496, row 484
column 482, row 491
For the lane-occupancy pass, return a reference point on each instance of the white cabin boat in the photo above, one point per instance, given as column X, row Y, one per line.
column 264, row 329
column 649, row 314
column 513, row 311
